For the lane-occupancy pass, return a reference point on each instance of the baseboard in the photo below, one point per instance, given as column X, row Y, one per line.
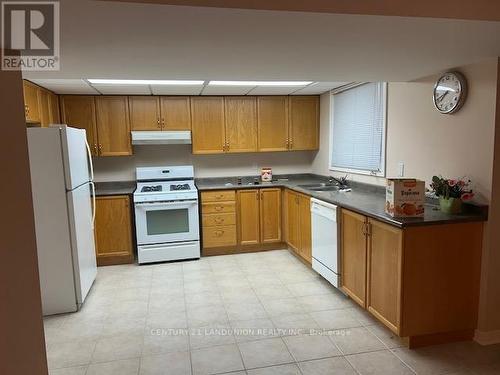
column 487, row 337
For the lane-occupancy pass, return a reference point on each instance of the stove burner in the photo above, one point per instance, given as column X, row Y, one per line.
column 150, row 189
column 179, row 187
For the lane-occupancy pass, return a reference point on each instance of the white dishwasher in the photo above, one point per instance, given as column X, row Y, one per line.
column 325, row 257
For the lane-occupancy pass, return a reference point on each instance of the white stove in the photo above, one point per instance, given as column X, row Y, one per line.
column 166, row 212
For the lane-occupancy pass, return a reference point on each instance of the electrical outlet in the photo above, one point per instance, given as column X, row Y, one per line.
column 401, row 169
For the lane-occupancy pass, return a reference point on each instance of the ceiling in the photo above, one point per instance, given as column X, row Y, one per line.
column 83, row 87
column 102, row 39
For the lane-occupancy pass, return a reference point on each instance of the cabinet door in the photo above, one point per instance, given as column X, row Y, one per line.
column 353, row 247
column 248, row 216
column 292, row 219
column 241, row 124
column 272, row 123
column 207, row 132
column 305, row 228
column 78, row 111
column 144, row 113
column 44, row 107
column 31, row 102
column 304, row 123
column 270, row 215
column 385, row 251
column 113, row 126
column 175, row 113
column 55, row 117
column 113, row 230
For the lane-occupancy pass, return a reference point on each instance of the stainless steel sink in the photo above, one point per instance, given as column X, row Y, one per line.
column 319, row 187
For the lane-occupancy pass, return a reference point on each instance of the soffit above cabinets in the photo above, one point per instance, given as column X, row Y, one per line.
column 82, row 86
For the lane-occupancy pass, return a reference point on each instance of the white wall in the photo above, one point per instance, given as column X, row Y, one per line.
column 123, row 168
column 431, row 143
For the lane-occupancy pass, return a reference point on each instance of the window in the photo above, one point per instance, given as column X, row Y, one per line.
column 357, row 129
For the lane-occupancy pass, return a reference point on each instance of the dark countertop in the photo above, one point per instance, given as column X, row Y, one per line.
column 365, row 199
column 115, row 188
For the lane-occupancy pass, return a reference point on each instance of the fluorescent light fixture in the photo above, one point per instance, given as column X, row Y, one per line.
column 145, row 82
column 259, row 83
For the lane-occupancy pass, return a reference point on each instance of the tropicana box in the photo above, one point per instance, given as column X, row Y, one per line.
column 405, row 197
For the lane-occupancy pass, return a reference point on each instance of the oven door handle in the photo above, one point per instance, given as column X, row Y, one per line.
column 168, row 204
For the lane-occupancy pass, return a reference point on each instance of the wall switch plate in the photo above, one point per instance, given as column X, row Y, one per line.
column 401, row 169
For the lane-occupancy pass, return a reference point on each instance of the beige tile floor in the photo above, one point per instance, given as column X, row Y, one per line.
column 255, row 314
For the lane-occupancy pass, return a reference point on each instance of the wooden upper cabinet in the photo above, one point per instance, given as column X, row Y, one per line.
column 270, row 215
column 248, row 216
column 31, row 102
column 113, row 230
column 44, row 106
column 353, row 254
column 305, row 227
column 78, row 111
column 208, row 134
column 272, row 123
column 175, row 112
column 292, row 235
column 144, row 113
column 385, row 253
column 304, row 122
column 113, row 125
column 241, row 124
column 54, row 113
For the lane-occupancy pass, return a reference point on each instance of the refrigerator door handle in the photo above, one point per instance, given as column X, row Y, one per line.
column 92, row 185
column 91, row 166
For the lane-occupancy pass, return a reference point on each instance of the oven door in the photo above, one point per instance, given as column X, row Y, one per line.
column 163, row 222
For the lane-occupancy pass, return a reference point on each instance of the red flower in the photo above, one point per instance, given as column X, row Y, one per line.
column 452, row 182
column 461, row 183
column 467, row 196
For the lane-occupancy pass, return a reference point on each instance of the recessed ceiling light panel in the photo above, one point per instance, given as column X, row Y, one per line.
column 259, row 83
column 178, row 82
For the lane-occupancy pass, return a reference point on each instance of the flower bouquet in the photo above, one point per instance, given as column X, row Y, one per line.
column 451, row 193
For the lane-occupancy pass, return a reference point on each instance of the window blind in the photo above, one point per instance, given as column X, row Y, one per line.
column 358, row 128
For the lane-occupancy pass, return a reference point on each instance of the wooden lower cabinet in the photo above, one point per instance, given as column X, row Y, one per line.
column 113, row 230
column 412, row 278
column 298, row 224
column 353, row 242
column 241, row 220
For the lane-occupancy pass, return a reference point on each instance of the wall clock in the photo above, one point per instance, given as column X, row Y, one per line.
column 450, row 92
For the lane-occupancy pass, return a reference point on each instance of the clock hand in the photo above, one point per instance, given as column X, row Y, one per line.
column 440, row 99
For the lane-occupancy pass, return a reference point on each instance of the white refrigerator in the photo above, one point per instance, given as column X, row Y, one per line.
column 64, row 208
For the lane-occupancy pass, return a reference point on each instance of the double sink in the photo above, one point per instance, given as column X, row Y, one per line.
column 321, row 187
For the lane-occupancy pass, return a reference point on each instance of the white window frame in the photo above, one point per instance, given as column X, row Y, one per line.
column 332, row 168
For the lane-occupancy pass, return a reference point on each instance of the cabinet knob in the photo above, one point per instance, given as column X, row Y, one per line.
column 158, row 122
column 219, row 220
column 218, row 208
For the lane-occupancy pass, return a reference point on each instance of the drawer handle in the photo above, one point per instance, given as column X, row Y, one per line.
column 219, row 233
column 219, row 220
column 219, row 208
column 220, row 196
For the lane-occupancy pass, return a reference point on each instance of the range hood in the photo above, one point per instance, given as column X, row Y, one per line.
column 164, row 137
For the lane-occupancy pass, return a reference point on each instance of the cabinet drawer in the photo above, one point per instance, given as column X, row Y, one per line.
column 211, row 220
column 218, row 196
column 218, row 207
column 224, row 235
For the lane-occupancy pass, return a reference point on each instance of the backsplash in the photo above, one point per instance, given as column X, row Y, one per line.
column 123, row 168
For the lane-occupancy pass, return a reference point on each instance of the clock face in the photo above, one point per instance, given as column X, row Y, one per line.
column 449, row 92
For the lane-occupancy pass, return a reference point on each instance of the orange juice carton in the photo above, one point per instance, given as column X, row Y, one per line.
column 405, row 197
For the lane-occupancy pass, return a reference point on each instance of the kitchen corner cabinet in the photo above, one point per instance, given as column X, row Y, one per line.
column 259, row 216
column 298, row 224
column 113, row 230
column 413, row 279
column 208, row 130
column 113, row 126
column 79, row 111
column 160, row 112
column 272, row 123
column 304, row 123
